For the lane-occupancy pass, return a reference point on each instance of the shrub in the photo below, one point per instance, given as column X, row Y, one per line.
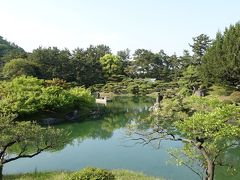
column 26, row 95
column 116, row 78
column 21, row 95
column 18, row 67
column 57, row 82
column 132, row 86
column 95, row 87
column 235, row 97
column 220, row 90
column 55, row 97
column 134, row 89
column 184, row 91
column 92, row 174
column 82, row 96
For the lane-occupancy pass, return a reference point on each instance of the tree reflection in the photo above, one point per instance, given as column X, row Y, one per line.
column 119, row 113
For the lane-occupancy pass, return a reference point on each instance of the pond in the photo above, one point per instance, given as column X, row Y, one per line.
column 104, row 143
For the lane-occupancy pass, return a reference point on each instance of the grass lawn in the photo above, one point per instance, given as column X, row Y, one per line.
column 119, row 174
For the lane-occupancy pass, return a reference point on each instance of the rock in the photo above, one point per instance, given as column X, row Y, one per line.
column 72, row 116
column 50, row 121
column 95, row 114
column 159, row 98
column 155, row 107
column 200, row 93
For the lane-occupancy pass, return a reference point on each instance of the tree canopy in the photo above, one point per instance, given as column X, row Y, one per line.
column 112, row 65
column 221, row 63
column 9, row 51
column 18, row 67
column 25, row 139
column 211, row 130
column 200, row 45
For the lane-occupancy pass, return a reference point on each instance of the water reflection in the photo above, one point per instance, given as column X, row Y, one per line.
column 232, row 157
column 120, row 112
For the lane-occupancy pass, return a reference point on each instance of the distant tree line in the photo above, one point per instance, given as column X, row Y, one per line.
column 211, row 61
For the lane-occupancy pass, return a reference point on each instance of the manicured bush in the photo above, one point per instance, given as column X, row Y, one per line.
column 134, row 89
column 95, row 87
column 82, row 96
column 21, row 95
column 235, row 97
column 18, row 67
column 55, row 97
column 131, row 86
column 92, row 174
column 220, row 90
column 57, row 82
column 27, row 95
column 116, row 78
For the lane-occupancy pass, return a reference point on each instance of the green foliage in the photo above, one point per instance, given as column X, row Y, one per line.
column 57, row 82
column 119, row 175
column 148, row 64
column 132, row 86
column 112, row 65
column 26, row 95
column 189, row 80
column 214, row 129
column 21, row 95
column 25, row 139
column 235, row 97
column 38, row 176
column 92, row 174
column 217, row 123
column 9, row 51
column 143, row 60
column 221, row 62
column 113, row 87
column 54, row 98
column 220, row 90
column 124, row 54
column 53, row 63
column 96, row 88
column 200, row 45
column 18, row 67
column 96, row 65
column 87, row 70
column 207, row 127
column 130, row 175
column 116, row 78
column 134, row 89
column 83, row 96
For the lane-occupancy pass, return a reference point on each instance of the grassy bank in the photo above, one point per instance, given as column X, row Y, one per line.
column 119, row 174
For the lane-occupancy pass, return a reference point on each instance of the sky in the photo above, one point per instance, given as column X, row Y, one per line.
column 120, row 24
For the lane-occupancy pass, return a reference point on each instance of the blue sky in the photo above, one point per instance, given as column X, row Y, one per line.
column 150, row 24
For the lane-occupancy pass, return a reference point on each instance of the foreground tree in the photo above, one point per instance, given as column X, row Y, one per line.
column 25, row 139
column 206, row 135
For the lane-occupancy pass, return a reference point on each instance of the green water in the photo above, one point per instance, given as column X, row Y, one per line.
column 104, row 143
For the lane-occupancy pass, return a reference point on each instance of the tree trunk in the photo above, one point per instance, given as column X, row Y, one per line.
column 210, row 170
column 210, row 164
column 1, row 169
